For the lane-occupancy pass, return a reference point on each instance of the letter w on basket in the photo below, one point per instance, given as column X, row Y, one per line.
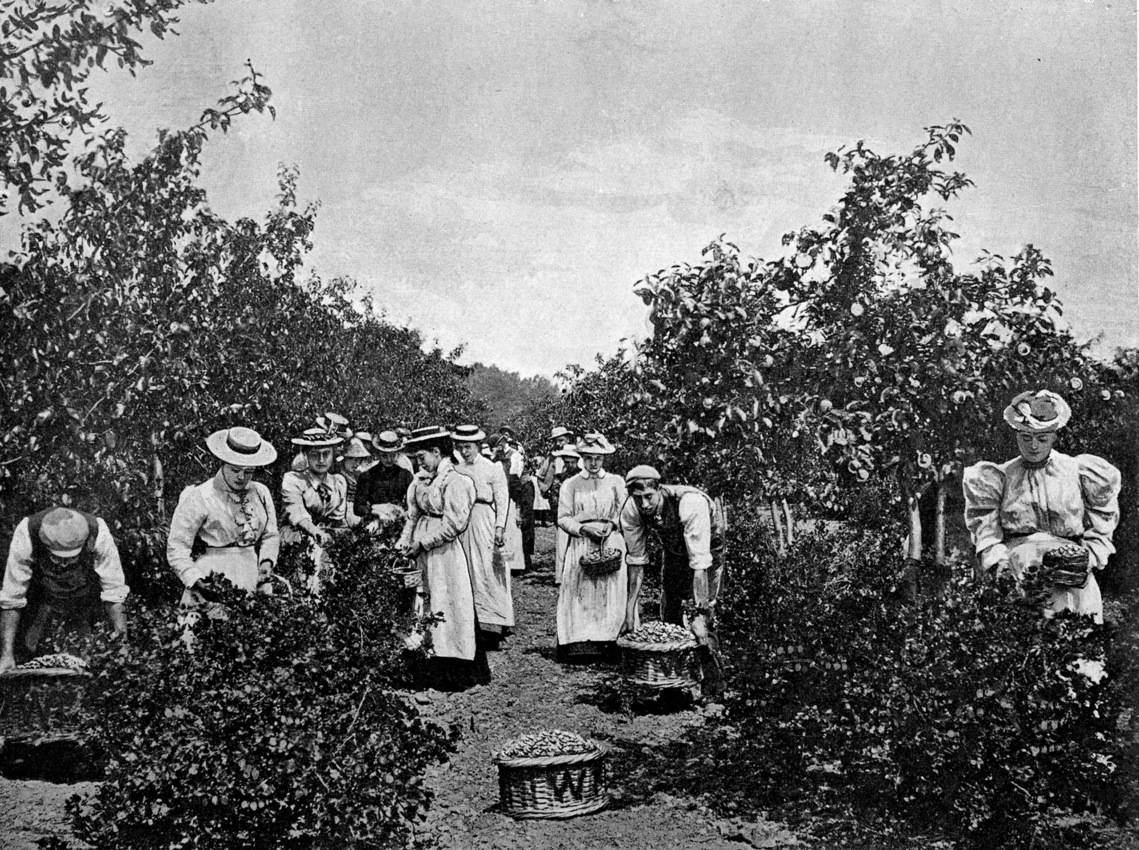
column 567, row 780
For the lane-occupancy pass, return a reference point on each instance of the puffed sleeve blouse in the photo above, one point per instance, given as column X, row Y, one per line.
column 1073, row 497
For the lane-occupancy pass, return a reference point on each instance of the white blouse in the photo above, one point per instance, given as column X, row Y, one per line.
column 1066, row 497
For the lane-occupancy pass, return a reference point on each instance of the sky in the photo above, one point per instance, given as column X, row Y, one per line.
column 500, row 174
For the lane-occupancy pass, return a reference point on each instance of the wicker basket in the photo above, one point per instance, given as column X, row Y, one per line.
column 598, row 568
column 660, row 665
column 553, row 786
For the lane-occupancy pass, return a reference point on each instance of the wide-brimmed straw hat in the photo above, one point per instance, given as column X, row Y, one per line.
column 317, row 438
column 388, row 442
column 334, row 423
column 639, row 478
column 594, row 444
column 560, row 431
column 429, row 434
column 468, row 434
column 356, row 448
column 569, row 452
column 1038, row 412
column 240, row 447
column 64, row 532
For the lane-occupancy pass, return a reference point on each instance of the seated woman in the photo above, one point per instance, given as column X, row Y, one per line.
column 1042, row 500
column 230, row 515
column 439, row 504
column 591, row 609
column 315, row 500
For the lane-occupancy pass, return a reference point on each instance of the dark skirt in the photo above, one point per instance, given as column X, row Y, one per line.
column 457, row 674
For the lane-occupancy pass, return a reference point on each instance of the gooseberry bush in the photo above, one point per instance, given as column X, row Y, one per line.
column 966, row 713
column 279, row 725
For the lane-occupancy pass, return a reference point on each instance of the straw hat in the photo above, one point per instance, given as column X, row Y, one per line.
column 334, row 423
column 429, row 434
column 240, row 447
column 560, row 431
column 317, row 438
column 568, row 451
column 594, row 444
column 468, row 434
column 1038, row 412
column 387, row 442
column 356, row 448
column 64, row 531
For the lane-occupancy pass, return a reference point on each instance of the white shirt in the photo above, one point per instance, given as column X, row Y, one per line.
column 18, row 571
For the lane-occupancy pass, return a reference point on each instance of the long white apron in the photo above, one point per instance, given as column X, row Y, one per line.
column 1028, row 551
column 491, row 584
column 591, row 609
column 512, row 550
column 236, row 563
column 561, row 542
column 447, row 590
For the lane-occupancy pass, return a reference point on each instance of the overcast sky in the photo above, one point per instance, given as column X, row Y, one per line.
column 501, row 173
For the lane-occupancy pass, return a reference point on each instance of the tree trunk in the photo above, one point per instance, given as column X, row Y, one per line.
column 939, row 523
column 913, row 539
column 159, row 480
column 777, row 529
column 790, row 523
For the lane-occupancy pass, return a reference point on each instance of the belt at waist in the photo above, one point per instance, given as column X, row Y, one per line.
column 484, row 502
column 230, row 546
column 1076, row 538
column 433, row 516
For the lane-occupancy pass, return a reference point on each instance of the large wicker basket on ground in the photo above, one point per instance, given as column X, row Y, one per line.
column 660, row 665
column 553, row 786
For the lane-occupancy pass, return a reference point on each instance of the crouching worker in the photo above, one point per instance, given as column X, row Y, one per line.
column 61, row 565
column 230, row 518
column 690, row 530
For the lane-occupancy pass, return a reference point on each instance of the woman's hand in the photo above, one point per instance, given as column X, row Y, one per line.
column 592, row 533
column 411, row 550
column 264, row 571
column 321, row 536
column 499, row 538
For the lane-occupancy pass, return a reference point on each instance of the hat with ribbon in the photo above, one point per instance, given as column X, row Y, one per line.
column 507, row 430
column 594, row 444
column 388, row 442
column 334, row 423
column 317, row 438
column 560, row 431
column 364, row 437
column 567, row 452
column 64, row 531
column 429, row 434
column 468, row 434
column 640, row 478
column 1038, row 412
column 240, row 447
column 356, row 448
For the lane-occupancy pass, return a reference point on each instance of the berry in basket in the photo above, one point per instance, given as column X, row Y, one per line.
column 601, row 556
column 658, row 632
column 1067, row 566
column 550, row 742
column 58, row 661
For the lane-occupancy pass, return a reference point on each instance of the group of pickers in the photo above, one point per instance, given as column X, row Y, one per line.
column 448, row 494
column 461, row 530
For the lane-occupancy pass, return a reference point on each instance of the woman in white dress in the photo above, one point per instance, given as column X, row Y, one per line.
column 439, row 504
column 591, row 609
column 485, row 537
column 1043, row 499
column 231, row 516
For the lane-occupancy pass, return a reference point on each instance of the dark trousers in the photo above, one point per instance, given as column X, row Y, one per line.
column 676, row 587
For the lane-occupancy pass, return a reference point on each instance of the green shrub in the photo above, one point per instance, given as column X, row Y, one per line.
column 970, row 713
column 275, row 727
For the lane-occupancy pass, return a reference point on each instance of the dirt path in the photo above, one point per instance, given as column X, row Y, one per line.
column 531, row 692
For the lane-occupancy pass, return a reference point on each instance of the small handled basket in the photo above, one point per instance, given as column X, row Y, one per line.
column 602, row 562
column 660, row 665
column 553, row 786
column 1067, row 567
